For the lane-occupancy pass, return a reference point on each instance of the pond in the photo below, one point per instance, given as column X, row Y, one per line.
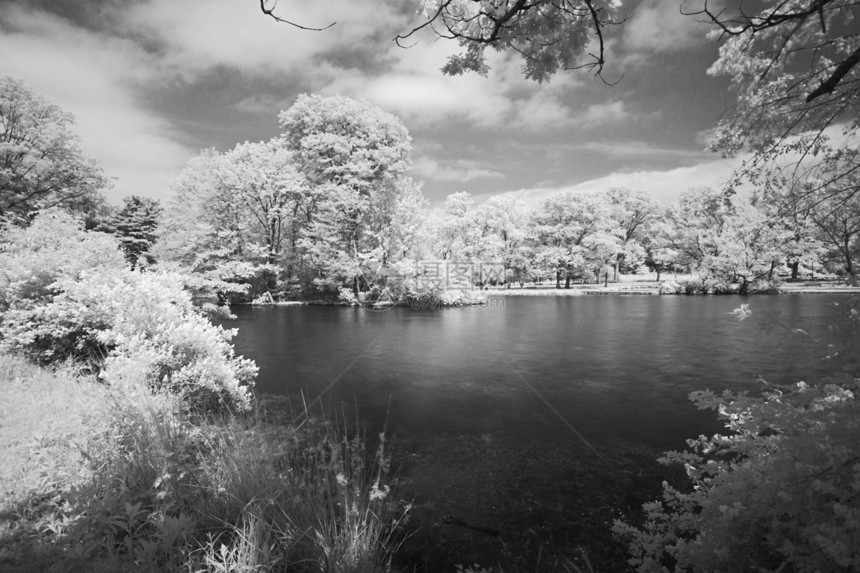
column 537, row 417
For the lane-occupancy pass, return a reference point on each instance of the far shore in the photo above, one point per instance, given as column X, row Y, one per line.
column 627, row 286
column 653, row 288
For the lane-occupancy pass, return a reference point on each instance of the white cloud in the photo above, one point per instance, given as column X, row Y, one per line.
column 603, row 113
column 92, row 77
column 658, row 26
column 263, row 103
column 666, row 185
column 424, row 99
column 638, row 149
column 200, row 35
column 416, row 90
column 459, row 171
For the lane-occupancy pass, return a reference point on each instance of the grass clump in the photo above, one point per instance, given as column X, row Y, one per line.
column 116, row 478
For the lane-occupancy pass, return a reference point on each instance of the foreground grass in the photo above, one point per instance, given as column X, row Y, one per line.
column 115, row 479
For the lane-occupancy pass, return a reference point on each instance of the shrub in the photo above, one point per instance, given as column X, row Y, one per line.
column 132, row 324
column 762, row 286
column 780, row 492
column 120, row 479
column 54, row 246
column 705, row 286
column 435, row 299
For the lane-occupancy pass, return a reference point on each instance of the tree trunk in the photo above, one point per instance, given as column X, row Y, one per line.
column 658, row 274
column 567, row 280
column 557, row 279
column 795, row 269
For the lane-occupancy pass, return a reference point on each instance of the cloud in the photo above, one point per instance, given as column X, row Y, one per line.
column 459, row 171
column 665, row 185
column 93, row 77
column 705, row 136
column 657, row 26
column 603, row 113
column 639, row 149
column 424, row 100
column 262, row 104
column 415, row 89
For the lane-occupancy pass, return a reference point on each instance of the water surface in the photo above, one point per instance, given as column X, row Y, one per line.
column 540, row 416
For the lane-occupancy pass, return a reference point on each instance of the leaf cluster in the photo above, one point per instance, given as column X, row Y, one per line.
column 779, row 491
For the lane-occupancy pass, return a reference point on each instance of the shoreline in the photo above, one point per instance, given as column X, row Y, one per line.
column 622, row 289
column 654, row 289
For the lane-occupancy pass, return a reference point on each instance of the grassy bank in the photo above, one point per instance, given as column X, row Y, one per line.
column 97, row 478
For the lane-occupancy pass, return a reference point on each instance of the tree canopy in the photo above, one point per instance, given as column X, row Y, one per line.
column 550, row 35
column 41, row 162
column 135, row 226
column 794, row 68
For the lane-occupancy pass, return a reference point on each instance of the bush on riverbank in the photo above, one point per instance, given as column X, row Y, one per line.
column 115, row 478
column 695, row 286
column 445, row 299
column 418, row 300
column 779, row 492
column 61, row 304
column 149, row 451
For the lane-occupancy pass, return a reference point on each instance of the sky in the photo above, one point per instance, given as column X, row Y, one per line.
column 153, row 82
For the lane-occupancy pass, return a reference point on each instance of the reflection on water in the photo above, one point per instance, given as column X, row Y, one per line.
column 495, row 410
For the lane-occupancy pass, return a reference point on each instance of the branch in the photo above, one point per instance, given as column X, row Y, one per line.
column 840, row 72
column 271, row 12
column 453, row 25
column 738, row 27
column 596, row 20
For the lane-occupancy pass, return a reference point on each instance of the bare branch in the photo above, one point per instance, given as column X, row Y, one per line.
column 271, row 13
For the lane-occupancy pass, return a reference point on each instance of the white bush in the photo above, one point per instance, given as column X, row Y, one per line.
column 137, row 326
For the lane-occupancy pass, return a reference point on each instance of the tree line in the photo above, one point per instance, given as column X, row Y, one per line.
column 328, row 207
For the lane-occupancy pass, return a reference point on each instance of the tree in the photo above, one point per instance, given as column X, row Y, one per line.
column 354, row 157
column 837, row 225
column 265, row 182
column 549, row 35
column 135, row 226
column 726, row 238
column 794, row 67
column 456, row 233
column 41, row 163
column 203, row 221
column 504, row 225
column 633, row 211
column 574, row 235
column 236, row 216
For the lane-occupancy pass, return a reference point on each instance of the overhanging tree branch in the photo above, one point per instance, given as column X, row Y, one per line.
column 270, row 11
column 548, row 34
column 778, row 17
column 828, row 85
